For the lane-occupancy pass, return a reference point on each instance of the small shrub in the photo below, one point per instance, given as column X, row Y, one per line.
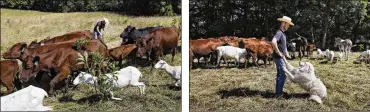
column 97, row 65
column 362, row 47
column 80, row 42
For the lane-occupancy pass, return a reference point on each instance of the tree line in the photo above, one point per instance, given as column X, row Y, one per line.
column 130, row 7
column 320, row 21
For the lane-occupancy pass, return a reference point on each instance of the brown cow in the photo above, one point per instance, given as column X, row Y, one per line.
column 9, row 71
column 158, row 43
column 72, row 36
column 230, row 40
column 258, row 49
column 310, row 49
column 60, row 58
column 21, row 51
column 204, row 48
column 265, row 53
column 121, row 52
column 61, row 61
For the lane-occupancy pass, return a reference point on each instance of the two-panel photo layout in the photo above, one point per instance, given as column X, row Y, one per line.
column 185, row 56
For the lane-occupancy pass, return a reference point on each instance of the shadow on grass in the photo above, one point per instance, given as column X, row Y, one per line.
column 92, row 99
column 312, row 58
column 324, row 62
column 356, row 62
column 178, row 49
column 169, row 86
column 246, row 92
column 142, row 62
column 335, row 60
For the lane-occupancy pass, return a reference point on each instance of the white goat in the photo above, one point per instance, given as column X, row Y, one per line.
column 27, row 99
column 230, row 52
column 126, row 76
column 344, row 46
column 329, row 55
column 320, row 54
column 339, row 56
column 173, row 71
column 364, row 57
column 305, row 77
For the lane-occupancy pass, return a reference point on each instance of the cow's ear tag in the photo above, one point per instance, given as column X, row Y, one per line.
column 36, row 63
column 22, row 50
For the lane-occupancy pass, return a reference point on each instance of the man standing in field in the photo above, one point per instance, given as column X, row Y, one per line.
column 280, row 50
column 100, row 25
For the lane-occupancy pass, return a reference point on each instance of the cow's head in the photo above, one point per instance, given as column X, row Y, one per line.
column 126, row 34
column 30, row 67
column 144, row 45
column 15, row 51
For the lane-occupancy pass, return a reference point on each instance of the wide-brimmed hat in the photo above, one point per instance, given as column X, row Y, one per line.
column 286, row 19
column 106, row 21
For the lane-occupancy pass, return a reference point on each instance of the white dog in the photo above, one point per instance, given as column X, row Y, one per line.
column 305, row 77
column 329, row 55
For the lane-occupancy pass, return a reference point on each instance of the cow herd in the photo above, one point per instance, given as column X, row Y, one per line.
column 215, row 50
column 55, row 59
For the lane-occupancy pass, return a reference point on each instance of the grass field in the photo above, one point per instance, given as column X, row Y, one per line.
column 26, row 26
column 237, row 89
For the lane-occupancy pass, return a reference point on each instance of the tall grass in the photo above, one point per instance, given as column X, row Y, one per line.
column 26, row 26
column 233, row 89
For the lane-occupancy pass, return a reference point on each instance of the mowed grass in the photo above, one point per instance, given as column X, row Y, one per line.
column 236, row 89
column 26, row 26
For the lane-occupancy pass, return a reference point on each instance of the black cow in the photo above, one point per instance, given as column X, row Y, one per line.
column 301, row 44
column 130, row 34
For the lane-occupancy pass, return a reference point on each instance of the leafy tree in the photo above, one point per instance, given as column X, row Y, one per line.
column 319, row 20
column 132, row 7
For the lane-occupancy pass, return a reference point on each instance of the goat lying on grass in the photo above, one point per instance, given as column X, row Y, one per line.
column 173, row 71
column 126, row 76
column 364, row 57
column 305, row 77
column 27, row 99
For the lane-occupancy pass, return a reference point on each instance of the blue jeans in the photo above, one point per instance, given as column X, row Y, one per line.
column 96, row 35
column 280, row 79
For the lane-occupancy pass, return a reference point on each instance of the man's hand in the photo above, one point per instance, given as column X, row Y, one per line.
column 288, row 56
column 281, row 54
